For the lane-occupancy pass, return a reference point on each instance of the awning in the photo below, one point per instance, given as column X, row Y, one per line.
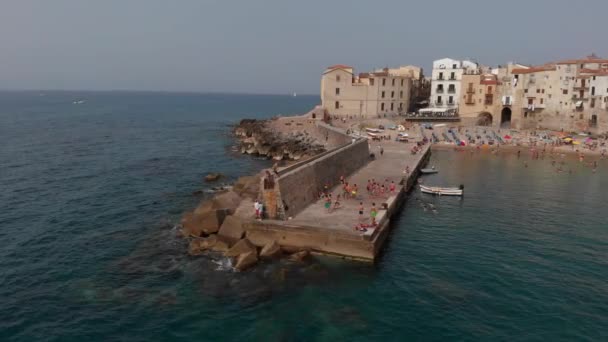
column 579, row 104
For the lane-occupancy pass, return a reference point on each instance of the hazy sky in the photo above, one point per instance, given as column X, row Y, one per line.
column 275, row 46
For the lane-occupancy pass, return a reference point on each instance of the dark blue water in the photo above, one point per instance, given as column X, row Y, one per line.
column 91, row 193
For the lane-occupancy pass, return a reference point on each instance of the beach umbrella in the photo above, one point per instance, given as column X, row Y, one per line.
column 567, row 139
column 507, row 136
column 576, row 143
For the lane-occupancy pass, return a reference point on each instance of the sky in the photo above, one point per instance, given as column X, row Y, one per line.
column 275, row 46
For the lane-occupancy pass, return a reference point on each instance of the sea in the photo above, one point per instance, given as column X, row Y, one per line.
column 93, row 185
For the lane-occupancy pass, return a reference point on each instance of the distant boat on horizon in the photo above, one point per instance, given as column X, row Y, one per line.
column 294, row 94
column 79, row 102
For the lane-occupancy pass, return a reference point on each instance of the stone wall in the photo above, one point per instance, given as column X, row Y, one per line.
column 301, row 186
column 334, row 136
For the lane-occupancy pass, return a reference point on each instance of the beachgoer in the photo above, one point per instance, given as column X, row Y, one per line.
column 328, row 204
column 261, row 206
column 373, row 213
column 361, row 209
column 337, row 204
column 354, row 191
column 256, row 206
column 393, row 187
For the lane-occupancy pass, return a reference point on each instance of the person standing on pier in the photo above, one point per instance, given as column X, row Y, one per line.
column 373, row 213
column 361, row 209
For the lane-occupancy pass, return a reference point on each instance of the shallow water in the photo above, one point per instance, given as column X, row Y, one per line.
column 88, row 249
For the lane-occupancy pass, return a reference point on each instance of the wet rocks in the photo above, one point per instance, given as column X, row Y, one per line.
column 301, row 256
column 212, row 177
column 246, row 260
column 270, row 250
column 241, row 247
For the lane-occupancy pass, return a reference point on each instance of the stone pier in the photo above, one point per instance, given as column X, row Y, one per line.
column 298, row 217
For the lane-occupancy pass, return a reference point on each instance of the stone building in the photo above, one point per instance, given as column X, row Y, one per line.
column 375, row 94
column 445, row 81
column 571, row 95
column 480, row 98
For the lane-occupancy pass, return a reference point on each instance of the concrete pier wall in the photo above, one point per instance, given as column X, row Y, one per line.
column 300, row 187
column 367, row 246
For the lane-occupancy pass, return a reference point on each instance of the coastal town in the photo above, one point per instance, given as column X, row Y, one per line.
column 344, row 169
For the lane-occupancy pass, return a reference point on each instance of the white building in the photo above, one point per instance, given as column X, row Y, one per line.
column 445, row 81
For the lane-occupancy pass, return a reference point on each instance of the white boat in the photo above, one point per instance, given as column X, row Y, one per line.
column 435, row 190
column 429, row 171
column 373, row 130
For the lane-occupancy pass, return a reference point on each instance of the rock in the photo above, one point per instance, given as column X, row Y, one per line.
column 212, row 177
column 204, row 207
column 194, row 247
column 197, row 224
column 300, row 256
column 208, row 243
column 241, row 247
column 247, row 186
column 226, row 200
column 246, row 260
column 271, row 250
column 232, row 229
column 221, row 245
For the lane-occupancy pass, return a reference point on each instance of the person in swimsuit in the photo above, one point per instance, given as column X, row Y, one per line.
column 337, row 203
column 373, row 213
column 361, row 209
column 328, row 204
column 393, row 187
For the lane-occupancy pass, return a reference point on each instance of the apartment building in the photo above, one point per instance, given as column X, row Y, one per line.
column 446, row 81
column 366, row 95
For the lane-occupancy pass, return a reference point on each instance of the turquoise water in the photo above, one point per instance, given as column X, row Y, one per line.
column 88, row 249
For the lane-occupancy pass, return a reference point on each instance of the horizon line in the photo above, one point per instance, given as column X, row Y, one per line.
column 194, row 92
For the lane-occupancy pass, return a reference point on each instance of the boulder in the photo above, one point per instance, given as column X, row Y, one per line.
column 197, row 224
column 300, row 256
column 241, row 247
column 208, row 243
column 212, row 177
column 220, row 245
column 226, row 200
column 204, row 207
column 232, row 228
column 194, row 247
column 270, row 250
column 246, row 260
column 249, row 185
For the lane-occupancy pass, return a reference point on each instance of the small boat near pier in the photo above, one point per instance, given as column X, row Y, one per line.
column 435, row 190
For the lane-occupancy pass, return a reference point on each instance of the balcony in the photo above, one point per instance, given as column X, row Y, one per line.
column 470, row 90
column 452, row 78
column 469, row 101
column 439, row 103
column 581, row 87
column 439, row 91
column 440, row 78
column 451, row 91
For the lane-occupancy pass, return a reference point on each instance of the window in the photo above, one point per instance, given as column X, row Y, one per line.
column 549, row 95
column 581, row 116
column 382, row 95
column 538, row 91
column 543, row 91
column 337, row 78
column 383, row 82
column 452, row 88
column 592, row 90
column 438, row 99
column 392, row 94
column 542, row 101
column 451, row 99
column 594, row 78
column 452, row 76
column 392, row 106
column 382, row 106
column 526, row 91
column 454, row 66
column 401, row 94
column 337, row 104
column 490, row 89
column 592, row 103
column 582, row 66
column 393, row 82
column 337, row 91
column 565, row 91
column 530, row 101
column 371, row 81
column 440, row 76
column 402, row 83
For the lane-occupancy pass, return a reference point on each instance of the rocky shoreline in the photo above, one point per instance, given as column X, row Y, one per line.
column 216, row 224
column 263, row 138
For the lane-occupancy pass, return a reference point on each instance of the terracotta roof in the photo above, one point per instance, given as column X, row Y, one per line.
column 364, row 75
column 533, row 69
column 339, row 66
column 583, row 61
